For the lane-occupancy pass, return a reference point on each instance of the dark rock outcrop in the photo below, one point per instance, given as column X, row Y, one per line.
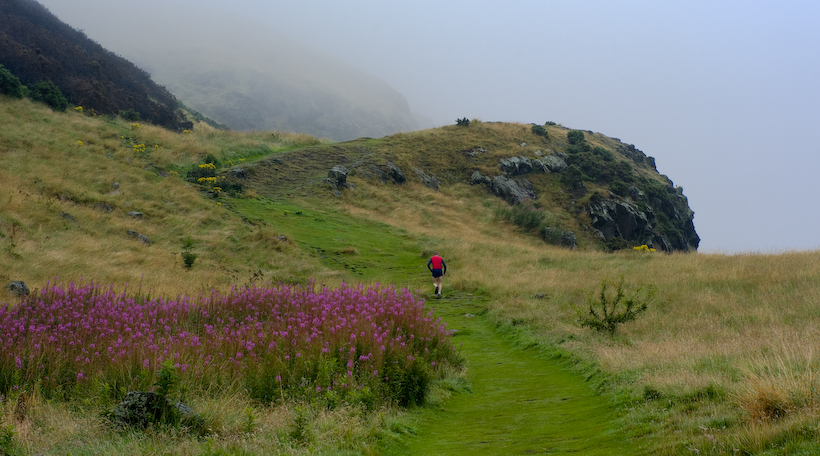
column 515, row 166
column 557, row 236
column 139, row 408
column 428, row 181
column 337, row 176
column 511, row 190
column 624, row 219
column 396, row 174
column 17, row 288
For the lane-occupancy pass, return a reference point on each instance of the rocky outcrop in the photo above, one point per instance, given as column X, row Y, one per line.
column 337, row 176
column 624, row 219
column 395, row 174
column 557, row 236
column 428, row 181
column 511, row 190
column 516, row 166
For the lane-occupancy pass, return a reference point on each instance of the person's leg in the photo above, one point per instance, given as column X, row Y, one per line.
column 439, row 285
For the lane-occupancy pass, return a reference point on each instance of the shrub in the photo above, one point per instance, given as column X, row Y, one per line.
column 188, row 259
column 10, row 85
column 603, row 153
column 550, row 123
column 525, row 215
column 130, row 115
column 619, row 187
column 465, row 122
column 48, row 93
column 575, row 137
column 607, row 312
column 538, row 130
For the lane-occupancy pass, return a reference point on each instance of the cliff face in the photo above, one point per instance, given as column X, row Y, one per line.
column 36, row 46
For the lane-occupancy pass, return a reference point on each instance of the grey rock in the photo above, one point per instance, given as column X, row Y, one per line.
column 103, row 206
column 561, row 155
column 116, row 186
column 477, row 179
column 139, row 408
column 396, row 174
column 428, row 181
column 144, row 239
column 622, row 219
column 282, row 238
column 635, row 193
column 515, row 166
column 538, row 152
column 523, row 144
column 17, row 288
column 510, row 190
column 239, row 173
column 338, row 175
column 477, row 151
column 553, row 163
column 134, row 214
column 132, row 233
column 557, row 236
column 67, row 216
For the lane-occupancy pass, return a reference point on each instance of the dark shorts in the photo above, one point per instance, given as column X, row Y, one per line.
column 437, row 273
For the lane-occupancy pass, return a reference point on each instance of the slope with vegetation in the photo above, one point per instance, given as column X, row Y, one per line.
column 47, row 54
column 720, row 362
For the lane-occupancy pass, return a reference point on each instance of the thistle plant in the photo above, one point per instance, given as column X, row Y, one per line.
column 608, row 312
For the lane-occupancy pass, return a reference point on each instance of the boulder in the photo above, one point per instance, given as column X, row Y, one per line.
column 477, row 179
column 396, row 174
column 429, row 181
column 17, row 288
column 515, row 166
column 144, row 239
column 139, row 408
column 557, row 236
column 553, row 163
column 116, row 186
column 622, row 219
column 510, row 190
column 239, row 173
column 134, row 214
column 338, row 176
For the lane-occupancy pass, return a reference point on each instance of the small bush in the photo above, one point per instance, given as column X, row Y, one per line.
column 575, row 137
column 188, row 259
column 10, row 85
column 48, row 93
column 130, row 115
column 465, row 122
column 538, row 130
column 550, row 123
column 619, row 187
column 608, row 312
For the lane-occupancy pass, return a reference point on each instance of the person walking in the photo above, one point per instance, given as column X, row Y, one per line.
column 438, row 267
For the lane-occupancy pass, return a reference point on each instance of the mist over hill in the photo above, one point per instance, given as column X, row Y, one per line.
column 249, row 77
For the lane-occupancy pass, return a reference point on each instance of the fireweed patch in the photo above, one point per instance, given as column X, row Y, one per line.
column 352, row 344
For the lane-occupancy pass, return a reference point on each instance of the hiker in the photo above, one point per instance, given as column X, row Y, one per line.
column 437, row 266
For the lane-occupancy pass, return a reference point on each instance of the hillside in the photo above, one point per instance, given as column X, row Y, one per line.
column 245, row 75
column 36, row 46
column 720, row 362
column 597, row 192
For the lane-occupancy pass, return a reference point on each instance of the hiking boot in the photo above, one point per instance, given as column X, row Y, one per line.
column 436, row 292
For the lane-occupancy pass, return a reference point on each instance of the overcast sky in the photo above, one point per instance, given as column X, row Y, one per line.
column 724, row 94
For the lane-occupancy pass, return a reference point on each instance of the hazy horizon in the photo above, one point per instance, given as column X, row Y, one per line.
column 723, row 94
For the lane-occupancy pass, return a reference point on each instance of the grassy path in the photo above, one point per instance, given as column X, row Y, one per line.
column 521, row 403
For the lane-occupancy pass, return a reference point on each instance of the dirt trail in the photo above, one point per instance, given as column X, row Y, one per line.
column 521, row 403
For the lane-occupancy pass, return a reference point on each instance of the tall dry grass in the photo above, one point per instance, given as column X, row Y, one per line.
column 57, row 173
column 729, row 338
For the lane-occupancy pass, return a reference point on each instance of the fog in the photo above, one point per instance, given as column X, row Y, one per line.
column 724, row 94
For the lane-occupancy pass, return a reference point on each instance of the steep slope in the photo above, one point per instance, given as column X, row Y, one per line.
column 245, row 75
column 566, row 186
column 36, row 46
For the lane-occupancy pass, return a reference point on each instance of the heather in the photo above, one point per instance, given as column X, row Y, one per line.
column 368, row 345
